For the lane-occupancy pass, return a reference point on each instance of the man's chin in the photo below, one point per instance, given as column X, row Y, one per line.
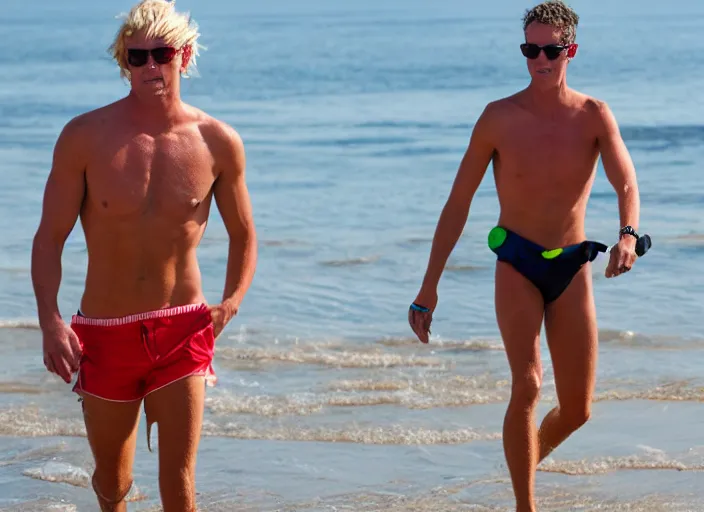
column 151, row 91
column 545, row 80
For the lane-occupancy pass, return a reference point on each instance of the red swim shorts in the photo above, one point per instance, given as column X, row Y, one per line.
column 125, row 359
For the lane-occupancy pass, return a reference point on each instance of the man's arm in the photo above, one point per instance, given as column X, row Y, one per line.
column 456, row 210
column 619, row 168
column 233, row 202
column 63, row 198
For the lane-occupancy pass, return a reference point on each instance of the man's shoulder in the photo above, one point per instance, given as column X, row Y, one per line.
column 222, row 139
column 501, row 106
column 86, row 122
column 598, row 112
column 494, row 114
column 578, row 100
column 76, row 137
column 509, row 101
column 589, row 104
column 214, row 130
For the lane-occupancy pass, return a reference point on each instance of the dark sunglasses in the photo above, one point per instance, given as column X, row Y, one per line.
column 138, row 57
column 552, row 51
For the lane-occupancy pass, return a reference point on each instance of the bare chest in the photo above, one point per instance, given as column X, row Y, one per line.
column 546, row 156
column 168, row 175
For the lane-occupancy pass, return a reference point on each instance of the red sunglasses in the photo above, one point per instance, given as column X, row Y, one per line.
column 137, row 57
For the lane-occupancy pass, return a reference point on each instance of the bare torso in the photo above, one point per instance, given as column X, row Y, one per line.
column 147, row 201
column 544, row 167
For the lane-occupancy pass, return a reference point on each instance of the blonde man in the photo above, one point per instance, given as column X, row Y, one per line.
column 140, row 173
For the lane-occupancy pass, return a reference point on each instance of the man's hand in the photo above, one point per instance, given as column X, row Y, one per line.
column 420, row 320
column 62, row 350
column 622, row 258
column 221, row 314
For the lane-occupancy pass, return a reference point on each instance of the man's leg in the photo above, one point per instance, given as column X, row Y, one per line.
column 571, row 330
column 112, row 435
column 178, row 411
column 519, row 312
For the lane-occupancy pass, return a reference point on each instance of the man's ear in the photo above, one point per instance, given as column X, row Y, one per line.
column 186, row 53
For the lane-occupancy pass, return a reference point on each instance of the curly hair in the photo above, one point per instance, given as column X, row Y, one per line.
column 557, row 14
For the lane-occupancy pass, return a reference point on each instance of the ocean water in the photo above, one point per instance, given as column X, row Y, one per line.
column 355, row 117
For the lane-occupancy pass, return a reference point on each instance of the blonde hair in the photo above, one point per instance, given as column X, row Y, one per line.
column 158, row 19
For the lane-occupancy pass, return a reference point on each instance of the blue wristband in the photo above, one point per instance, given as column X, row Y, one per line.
column 416, row 307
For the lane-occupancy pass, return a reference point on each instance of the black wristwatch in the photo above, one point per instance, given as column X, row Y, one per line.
column 627, row 230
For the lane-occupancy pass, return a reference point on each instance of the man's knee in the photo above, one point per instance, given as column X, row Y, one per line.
column 525, row 389
column 111, row 488
column 575, row 415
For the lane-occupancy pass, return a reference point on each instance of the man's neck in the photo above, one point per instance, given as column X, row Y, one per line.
column 548, row 96
column 158, row 110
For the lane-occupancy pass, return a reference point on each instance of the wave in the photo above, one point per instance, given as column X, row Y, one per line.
column 29, row 422
column 363, row 260
column 342, row 359
column 35, row 453
column 43, row 504
column 370, row 385
column 20, row 388
column 282, row 243
column 15, row 271
column 668, row 392
column 470, row 345
column 412, row 394
column 644, row 341
column 32, row 422
column 64, row 473
column 356, row 141
column 424, row 393
column 412, row 124
column 387, row 435
column 457, row 391
column 610, row 464
column 691, row 239
column 465, row 268
column 664, row 137
column 261, row 405
column 459, row 498
column 60, row 472
column 415, row 241
column 19, row 324
column 413, row 151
